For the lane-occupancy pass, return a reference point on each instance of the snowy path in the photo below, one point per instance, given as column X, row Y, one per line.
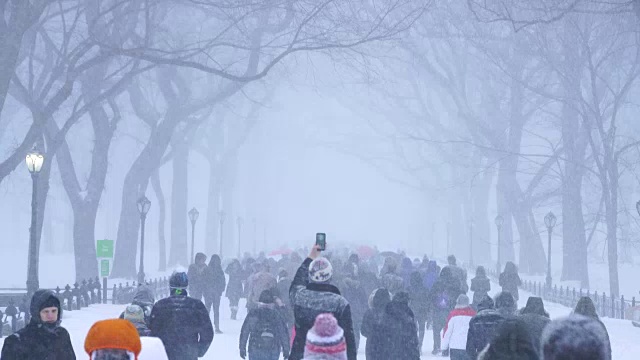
column 625, row 338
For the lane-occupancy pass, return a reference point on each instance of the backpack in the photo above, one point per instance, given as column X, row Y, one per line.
column 442, row 301
column 264, row 335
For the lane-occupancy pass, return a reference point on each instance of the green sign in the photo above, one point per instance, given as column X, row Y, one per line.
column 104, row 268
column 104, row 249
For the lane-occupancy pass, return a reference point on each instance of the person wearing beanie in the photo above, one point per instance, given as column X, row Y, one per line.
column 512, row 342
column 265, row 330
column 311, row 294
column 43, row 337
column 455, row 332
column 484, row 326
column 325, row 340
column 135, row 315
column 575, row 337
column 372, row 323
column 113, row 339
column 399, row 333
column 535, row 319
column 181, row 322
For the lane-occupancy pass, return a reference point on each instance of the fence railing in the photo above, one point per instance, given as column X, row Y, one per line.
column 80, row 295
column 606, row 306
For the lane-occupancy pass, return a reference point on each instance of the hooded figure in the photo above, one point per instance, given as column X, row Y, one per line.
column 259, row 282
column 372, row 323
column 399, row 336
column 265, row 330
column 390, row 280
column 199, row 276
column 311, row 294
column 419, row 303
column 234, row 287
column 459, row 273
column 480, row 285
column 484, row 326
column 43, row 338
column 575, row 337
column 181, row 322
column 454, row 336
column 442, row 297
column 512, row 342
column 353, row 291
column 585, row 307
column 510, row 280
column 215, row 288
column 535, row 319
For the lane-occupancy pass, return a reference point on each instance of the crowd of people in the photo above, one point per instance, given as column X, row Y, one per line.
column 318, row 308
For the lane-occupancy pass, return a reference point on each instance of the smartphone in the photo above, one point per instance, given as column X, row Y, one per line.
column 321, row 239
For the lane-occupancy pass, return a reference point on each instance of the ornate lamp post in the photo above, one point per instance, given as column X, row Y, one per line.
column 499, row 222
column 34, row 162
column 193, row 216
column 222, row 215
column 143, row 208
column 550, row 222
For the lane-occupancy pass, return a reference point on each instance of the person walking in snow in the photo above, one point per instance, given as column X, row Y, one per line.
column 512, row 342
column 459, row 273
column 372, row 323
column 484, row 326
column 510, row 280
column 585, row 307
column 575, row 337
column 354, row 294
column 144, row 297
column 265, row 330
column 454, row 338
column 43, row 337
column 181, row 322
column 325, row 340
column 419, row 304
column 117, row 339
column 480, row 285
column 216, row 284
column 135, row 315
column 258, row 282
column 399, row 334
column 199, row 277
column 390, row 279
column 442, row 298
column 234, row 287
column 406, row 269
column 311, row 294
column 535, row 319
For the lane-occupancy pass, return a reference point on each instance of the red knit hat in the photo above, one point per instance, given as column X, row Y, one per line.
column 326, row 338
column 113, row 334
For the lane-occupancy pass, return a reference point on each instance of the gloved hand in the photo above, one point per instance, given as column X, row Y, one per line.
column 243, row 353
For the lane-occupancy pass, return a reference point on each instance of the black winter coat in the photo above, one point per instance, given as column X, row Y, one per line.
column 399, row 333
column 183, row 325
column 310, row 300
column 236, row 277
column 444, row 285
column 253, row 323
column 216, row 282
column 199, row 278
column 535, row 324
column 357, row 298
column 510, row 281
column 372, row 329
column 419, row 303
column 482, row 329
column 38, row 341
column 480, row 287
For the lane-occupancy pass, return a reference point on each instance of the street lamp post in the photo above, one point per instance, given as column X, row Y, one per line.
column 550, row 222
column 193, row 216
column 34, row 162
column 240, row 221
column 499, row 222
column 143, row 208
column 222, row 217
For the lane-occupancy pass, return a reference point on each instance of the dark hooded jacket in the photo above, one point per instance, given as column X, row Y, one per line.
column 444, row 294
column 312, row 299
column 535, row 319
column 372, row 324
column 419, row 297
column 399, row 333
column 217, row 281
column 510, row 280
column 265, row 330
column 354, row 293
column 38, row 340
column 183, row 325
column 512, row 342
column 145, row 298
column 480, row 285
column 586, row 307
column 430, row 275
column 484, row 326
column 236, row 277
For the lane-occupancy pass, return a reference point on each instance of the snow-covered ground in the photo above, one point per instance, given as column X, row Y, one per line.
column 623, row 335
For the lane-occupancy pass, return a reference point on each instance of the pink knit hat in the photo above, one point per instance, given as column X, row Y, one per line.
column 326, row 339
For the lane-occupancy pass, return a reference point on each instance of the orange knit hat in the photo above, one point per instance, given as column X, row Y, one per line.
column 113, row 334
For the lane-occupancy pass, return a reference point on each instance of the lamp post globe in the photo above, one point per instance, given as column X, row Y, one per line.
column 193, row 216
column 550, row 220
column 143, row 208
column 34, row 161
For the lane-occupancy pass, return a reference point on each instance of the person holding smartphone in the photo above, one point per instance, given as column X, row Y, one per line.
column 312, row 294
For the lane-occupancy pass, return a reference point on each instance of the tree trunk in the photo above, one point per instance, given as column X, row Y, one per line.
column 84, row 226
column 179, row 198
column 162, row 208
column 612, row 227
column 213, row 207
column 532, row 256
